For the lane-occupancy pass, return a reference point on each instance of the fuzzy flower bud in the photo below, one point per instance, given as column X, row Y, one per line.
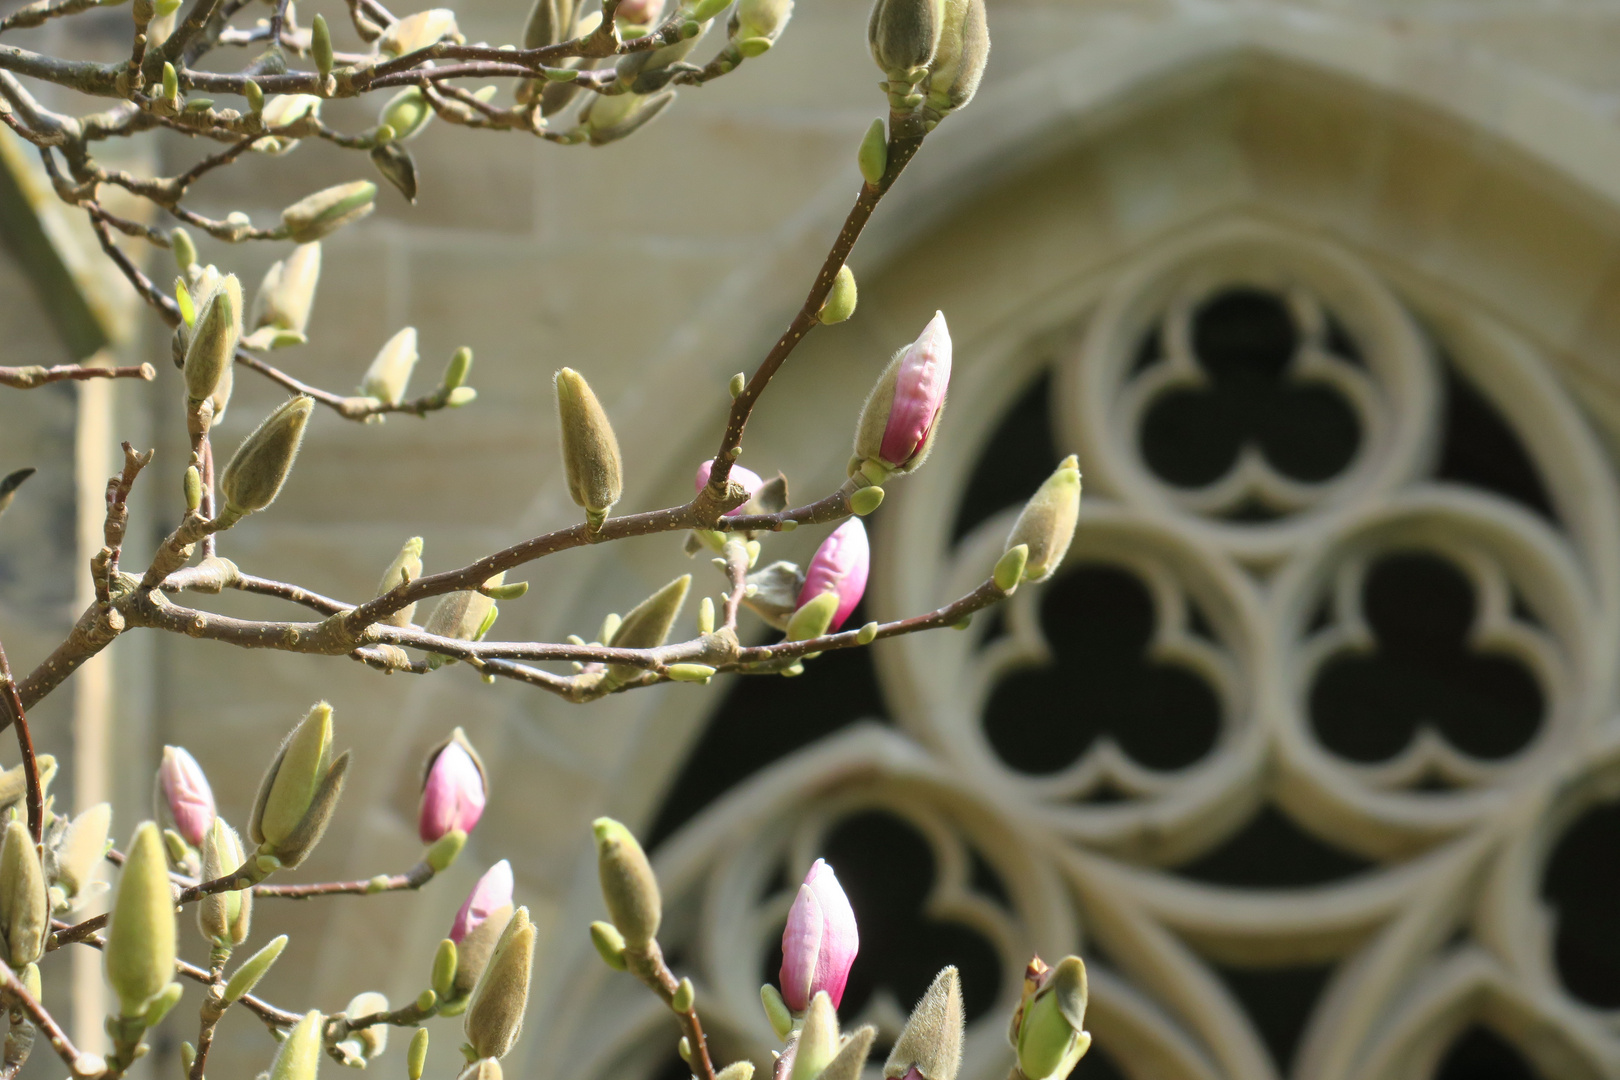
column 390, row 371
column 418, row 31
column 326, row 211
column 466, row 615
column 850, row 1061
column 184, row 799
column 212, row 346
column 300, row 1054
column 550, row 22
column 480, row 923
column 495, row 1014
column 898, row 422
column 964, row 49
column 482, row 1069
column 367, row 1043
column 287, row 294
column 819, row 942
column 747, row 478
column 25, row 915
column 840, row 567
column 454, row 789
column 224, row 918
column 930, row 1045
column 609, row 119
column 648, row 624
column 299, row 791
column 140, row 951
column 82, row 849
column 1046, row 524
column 253, row 477
column 904, row 35
column 407, row 566
column 1048, row 1030
column 629, row 886
column 818, row 1040
column 590, row 450
column 638, row 16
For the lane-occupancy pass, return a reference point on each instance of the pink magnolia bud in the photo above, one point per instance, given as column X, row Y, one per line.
column 185, row 794
column 841, row 565
column 820, row 941
column 640, row 12
column 746, row 477
column 453, row 790
column 897, row 424
column 493, row 892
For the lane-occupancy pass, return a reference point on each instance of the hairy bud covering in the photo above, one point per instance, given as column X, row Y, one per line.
column 931, row 1041
column 629, row 887
column 25, row 915
column 140, row 951
column 390, row 371
column 495, row 1014
column 590, row 449
column 1046, row 524
column 328, row 210
column 300, row 790
column 254, row 476
column 224, row 918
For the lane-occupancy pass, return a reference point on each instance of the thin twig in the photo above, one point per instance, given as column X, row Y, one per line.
column 78, row 1063
column 27, row 378
column 25, row 744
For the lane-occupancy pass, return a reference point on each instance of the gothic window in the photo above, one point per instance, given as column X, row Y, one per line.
column 1309, row 749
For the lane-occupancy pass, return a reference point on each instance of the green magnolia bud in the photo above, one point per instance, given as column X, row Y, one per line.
column 160, row 1006
column 455, row 372
column 254, row 95
column 737, row 1070
column 443, row 979
column 407, row 566
column 25, row 910
column 739, row 382
column 300, row 1053
column 904, row 35
column 465, row 616
column 442, row 853
column 609, row 944
column 813, row 617
column 140, row 950
column 367, row 1043
column 253, row 477
column 1009, row 569
column 931, row 1041
column 874, row 153
column 1046, row 525
column 320, row 45
column 964, row 49
column 629, row 886
column 818, row 1039
column 690, row 672
column 390, row 371
column 82, row 849
column 29, row 976
column 495, row 1014
column 609, row 119
column 171, row 82
column 867, row 634
column 590, row 450
column 212, row 347
column 246, row 977
column 684, row 996
column 706, row 615
column 648, row 624
column 287, row 294
column 840, row 302
column 299, row 792
column 850, row 1061
column 474, row 951
column 461, row 395
column 224, row 917
column 865, row 500
column 1051, row 1038
column 185, row 252
column 776, row 1011
column 416, row 1055
column 326, row 211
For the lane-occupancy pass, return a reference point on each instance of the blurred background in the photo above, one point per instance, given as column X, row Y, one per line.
column 1311, row 751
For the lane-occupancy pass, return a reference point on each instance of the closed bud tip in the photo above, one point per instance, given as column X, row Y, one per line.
column 1046, row 524
column 841, row 298
column 590, row 449
column 629, row 887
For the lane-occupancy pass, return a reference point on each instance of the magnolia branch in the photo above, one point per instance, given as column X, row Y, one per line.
column 27, row 378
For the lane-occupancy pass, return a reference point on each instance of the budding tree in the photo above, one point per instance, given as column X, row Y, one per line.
column 576, row 77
